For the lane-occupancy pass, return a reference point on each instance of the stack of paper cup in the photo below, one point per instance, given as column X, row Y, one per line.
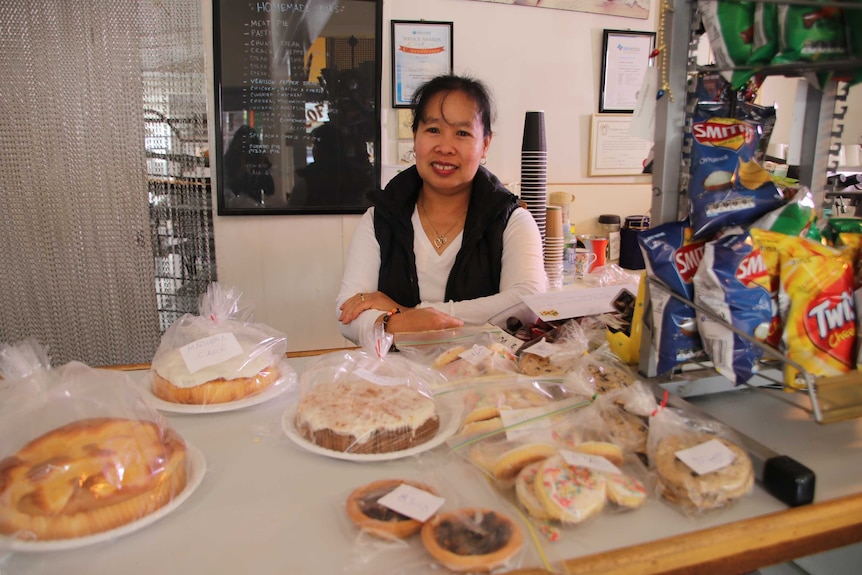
column 554, row 245
column 534, row 165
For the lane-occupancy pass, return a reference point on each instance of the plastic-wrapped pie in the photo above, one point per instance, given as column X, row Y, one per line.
column 82, row 452
column 219, row 356
column 89, row 476
column 364, row 509
column 472, row 539
column 365, row 418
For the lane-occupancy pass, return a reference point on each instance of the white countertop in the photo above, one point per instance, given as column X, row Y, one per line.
column 267, row 505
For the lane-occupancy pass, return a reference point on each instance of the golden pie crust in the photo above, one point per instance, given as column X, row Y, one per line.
column 364, row 511
column 216, row 391
column 90, row 476
column 472, row 539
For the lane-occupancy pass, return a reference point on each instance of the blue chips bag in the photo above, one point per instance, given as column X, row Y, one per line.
column 672, row 256
column 728, row 187
column 730, row 283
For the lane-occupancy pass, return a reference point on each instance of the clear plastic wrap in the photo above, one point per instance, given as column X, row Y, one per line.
column 220, row 357
column 81, row 453
column 460, row 355
column 699, row 463
column 440, row 518
column 359, row 404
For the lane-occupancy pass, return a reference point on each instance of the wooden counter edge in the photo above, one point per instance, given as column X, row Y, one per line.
column 737, row 547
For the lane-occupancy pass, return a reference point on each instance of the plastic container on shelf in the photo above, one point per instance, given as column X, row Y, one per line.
column 610, row 224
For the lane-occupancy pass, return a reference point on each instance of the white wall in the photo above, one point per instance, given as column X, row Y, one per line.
column 533, row 59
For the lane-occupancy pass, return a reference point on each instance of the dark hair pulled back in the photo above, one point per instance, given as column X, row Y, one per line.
column 474, row 89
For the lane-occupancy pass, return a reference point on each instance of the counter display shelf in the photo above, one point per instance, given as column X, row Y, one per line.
column 266, row 505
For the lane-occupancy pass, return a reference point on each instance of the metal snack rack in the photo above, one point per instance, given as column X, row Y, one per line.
column 829, row 399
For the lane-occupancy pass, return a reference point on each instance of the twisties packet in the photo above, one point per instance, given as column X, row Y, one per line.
column 816, row 304
column 727, row 186
column 730, row 283
column 672, row 255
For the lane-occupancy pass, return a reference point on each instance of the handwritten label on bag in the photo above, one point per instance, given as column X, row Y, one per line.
column 592, row 461
column 476, row 354
column 529, row 423
column 411, row 501
column 707, row 457
column 542, row 349
column 210, row 351
column 378, row 379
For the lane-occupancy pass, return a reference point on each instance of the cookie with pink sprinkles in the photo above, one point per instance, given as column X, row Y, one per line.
column 570, row 493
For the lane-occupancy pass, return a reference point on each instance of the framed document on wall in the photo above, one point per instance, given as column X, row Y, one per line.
column 420, row 51
column 613, row 151
column 297, row 95
column 625, row 59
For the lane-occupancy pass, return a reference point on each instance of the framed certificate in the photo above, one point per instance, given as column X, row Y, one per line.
column 613, row 151
column 625, row 59
column 421, row 50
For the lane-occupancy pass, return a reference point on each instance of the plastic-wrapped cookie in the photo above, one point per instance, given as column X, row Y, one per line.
column 532, row 364
column 472, row 539
column 365, row 511
column 570, row 493
column 711, row 490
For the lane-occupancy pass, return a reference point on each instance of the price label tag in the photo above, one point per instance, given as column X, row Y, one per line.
column 209, row 351
column 542, row 349
column 707, row 457
column 476, row 354
column 411, row 501
column 592, row 461
column 378, row 379
column 519, row 420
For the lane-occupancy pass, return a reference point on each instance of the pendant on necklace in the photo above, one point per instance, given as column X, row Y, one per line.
column 440, row 242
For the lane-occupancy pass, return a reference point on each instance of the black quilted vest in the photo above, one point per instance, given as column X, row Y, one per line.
column 476, row 271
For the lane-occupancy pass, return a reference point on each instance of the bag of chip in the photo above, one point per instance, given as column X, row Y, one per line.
column 816, row 304
column 727, row 186
column 729, row 283
column 730, row 29
column 672, row 255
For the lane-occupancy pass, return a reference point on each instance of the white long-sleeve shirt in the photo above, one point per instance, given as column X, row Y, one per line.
column 523, row 272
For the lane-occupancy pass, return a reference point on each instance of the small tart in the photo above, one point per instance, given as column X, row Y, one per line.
column 472, row 539
column 570, row 493
column 365, row 511
column 448, row 356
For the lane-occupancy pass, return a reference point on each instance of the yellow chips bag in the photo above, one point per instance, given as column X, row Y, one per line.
column 816, row 304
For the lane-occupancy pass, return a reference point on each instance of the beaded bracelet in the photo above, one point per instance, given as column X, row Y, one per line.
column 389, row 314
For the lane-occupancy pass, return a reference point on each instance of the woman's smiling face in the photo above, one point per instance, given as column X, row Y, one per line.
column 449, row 143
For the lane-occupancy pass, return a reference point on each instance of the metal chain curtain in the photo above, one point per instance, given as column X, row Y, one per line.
column 76, row 239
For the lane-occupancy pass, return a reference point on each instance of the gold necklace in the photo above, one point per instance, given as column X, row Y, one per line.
column 441, row 239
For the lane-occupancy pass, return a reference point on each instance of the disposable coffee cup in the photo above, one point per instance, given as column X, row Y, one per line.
column 554, row 222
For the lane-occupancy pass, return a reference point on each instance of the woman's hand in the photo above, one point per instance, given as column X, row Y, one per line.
column 421, row 319
column 355, row 305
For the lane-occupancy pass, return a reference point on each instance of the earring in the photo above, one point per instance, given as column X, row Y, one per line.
column 483, row 161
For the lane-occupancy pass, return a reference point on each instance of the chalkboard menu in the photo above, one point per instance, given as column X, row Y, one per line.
column 297, row 92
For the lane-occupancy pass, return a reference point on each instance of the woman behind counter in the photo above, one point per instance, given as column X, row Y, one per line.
column 478, row 251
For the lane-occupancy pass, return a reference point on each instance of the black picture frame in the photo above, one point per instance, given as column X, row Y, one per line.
column 625, row 60
column 419, row 53
column 297, row 106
